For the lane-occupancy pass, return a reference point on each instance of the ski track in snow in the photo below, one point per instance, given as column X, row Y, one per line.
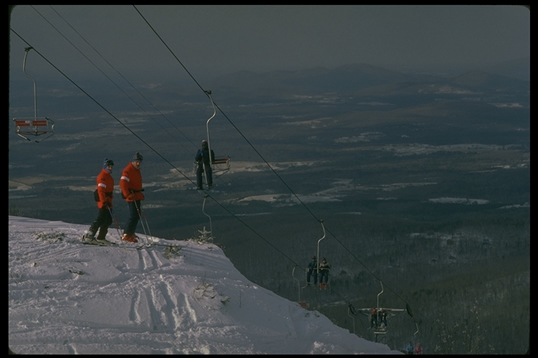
column 69, row 298
column 167, row 311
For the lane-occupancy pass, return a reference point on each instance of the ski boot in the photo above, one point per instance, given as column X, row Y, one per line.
column 88, row 238
column 129, row 238
column 103, row 241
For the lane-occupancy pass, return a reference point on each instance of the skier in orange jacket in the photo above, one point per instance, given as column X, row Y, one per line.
column 131, row 190
column 105, row 189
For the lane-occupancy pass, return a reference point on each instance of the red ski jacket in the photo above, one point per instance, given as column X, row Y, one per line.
column 131, row 183
column 105, row 188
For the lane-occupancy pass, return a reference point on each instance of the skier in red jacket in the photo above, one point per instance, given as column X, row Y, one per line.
column 105, row 188
column 131, row 190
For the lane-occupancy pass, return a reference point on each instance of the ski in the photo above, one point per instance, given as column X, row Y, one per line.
column 111, row 244
column 142, row 244
column 97, row 243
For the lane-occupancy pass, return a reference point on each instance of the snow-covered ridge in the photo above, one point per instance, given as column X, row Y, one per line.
column 181, row 297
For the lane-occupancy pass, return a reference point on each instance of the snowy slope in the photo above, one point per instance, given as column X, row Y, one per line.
column 70, row 298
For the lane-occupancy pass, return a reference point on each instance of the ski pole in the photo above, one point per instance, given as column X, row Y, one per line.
column 147, row 225
column 143, row 212
column 116, row 222
column 141, row 221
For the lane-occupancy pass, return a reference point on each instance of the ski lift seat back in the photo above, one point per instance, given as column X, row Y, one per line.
column 221, row 165
column 222, row 160
column 34, row 126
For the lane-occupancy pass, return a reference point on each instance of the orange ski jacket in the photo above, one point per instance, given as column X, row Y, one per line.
column 131, row 183
column 105, row 188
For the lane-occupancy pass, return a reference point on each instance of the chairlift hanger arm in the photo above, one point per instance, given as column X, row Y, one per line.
column 26, row 50
column 298, row 283
column 222, row 164
column 323, row 237
column 33, row 126
column 203, row 211
column 208, row 93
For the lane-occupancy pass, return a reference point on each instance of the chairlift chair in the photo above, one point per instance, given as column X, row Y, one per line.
column 378, row 328
column 33, row 126
column 302, row 303
column 219, row 166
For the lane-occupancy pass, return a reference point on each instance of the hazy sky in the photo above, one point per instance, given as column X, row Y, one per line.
column 211, row 39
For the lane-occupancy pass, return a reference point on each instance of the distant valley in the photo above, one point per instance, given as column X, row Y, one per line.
column 422, row 180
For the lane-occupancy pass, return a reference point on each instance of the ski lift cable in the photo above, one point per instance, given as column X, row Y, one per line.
column 126, row 80
column 156, row 152
column 110, row 79
column 250, row 144
column 141, row 139
column 208, row 93
column 173, row 166
column 169, row 49
column 149, row 146
column 221, row 111
column 225, row 116
column 102, row 107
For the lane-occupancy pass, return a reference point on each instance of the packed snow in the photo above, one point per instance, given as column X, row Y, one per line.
column 173, row 297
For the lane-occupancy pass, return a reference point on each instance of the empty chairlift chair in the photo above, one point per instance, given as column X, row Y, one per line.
column 33, row 126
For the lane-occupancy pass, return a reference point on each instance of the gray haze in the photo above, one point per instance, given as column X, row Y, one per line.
column 149, row 42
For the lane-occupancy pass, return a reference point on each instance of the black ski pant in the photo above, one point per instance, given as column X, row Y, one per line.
column 209, row 174
column 314, row 274
column 134, row 216
column 101, row 224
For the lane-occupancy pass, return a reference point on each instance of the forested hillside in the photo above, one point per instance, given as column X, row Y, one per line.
column 467, row 286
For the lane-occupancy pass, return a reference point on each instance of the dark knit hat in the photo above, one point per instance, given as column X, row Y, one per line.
column 137, row 157
column 107, row 162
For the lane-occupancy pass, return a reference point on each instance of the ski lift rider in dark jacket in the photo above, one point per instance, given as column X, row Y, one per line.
column 202, row 160
column 312, row 271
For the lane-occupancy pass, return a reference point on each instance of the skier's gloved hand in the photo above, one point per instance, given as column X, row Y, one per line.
column 107, row 204
column 130, row 197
